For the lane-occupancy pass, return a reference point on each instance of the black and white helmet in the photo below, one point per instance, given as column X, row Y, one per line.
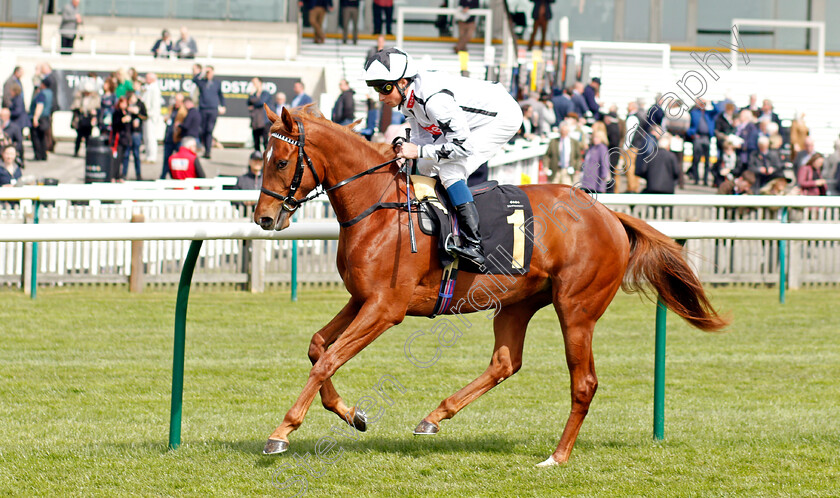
column 389, row 65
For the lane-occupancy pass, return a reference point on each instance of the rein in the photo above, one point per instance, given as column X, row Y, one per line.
column 290, row 203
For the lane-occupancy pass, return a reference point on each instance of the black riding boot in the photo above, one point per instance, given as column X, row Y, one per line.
column 470, row 247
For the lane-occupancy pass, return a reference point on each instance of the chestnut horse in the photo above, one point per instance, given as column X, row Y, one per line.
column 582, row 253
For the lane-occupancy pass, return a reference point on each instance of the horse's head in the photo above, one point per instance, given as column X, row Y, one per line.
column 288, row 170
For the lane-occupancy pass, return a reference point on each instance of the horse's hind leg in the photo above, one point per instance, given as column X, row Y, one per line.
column 317, row 346
column 578, row 311
column 509, row 328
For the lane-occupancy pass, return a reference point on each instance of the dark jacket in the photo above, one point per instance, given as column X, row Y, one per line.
column 697, row 114
column 162, row 48
column 15, row 134
column 579, row 104
column 562, row 106
column 723, row 128
column 6, row 178
column 536, row 10
column 191, row 127
column 344, row 109
column 661, row 173
column 121, row 131
column 210, row 93
column 591, row 103
column 256, row 110
column 327, row 4
column 248, row 181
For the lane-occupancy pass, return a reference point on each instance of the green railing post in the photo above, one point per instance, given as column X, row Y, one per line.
column 33, row 289
column 659, row 374
column 294, row 270
column 294, row 265
column 783, row 261
column 180, row 339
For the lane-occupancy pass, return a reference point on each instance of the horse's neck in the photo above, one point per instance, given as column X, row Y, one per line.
column 353, row 198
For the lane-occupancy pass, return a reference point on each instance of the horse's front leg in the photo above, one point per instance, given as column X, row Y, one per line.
column 323, row 339
column 374, row 318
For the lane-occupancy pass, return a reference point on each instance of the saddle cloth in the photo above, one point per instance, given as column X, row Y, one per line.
column 507, row 241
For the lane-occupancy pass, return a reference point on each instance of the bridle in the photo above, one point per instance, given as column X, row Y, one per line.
column 290, row 203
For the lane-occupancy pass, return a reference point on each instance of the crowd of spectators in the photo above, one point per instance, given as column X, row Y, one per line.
column 730, row 147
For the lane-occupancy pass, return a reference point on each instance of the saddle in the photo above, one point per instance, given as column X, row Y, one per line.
column 508, row 242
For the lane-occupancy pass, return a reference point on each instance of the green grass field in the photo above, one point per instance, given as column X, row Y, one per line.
column 85, row 382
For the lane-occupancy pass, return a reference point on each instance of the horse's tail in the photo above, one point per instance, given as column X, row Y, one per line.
column 658, row 260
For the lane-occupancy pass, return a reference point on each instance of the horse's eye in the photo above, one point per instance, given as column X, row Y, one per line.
column 281, row 164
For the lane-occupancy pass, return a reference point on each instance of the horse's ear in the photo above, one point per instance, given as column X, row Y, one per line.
column 286, row 118
column 272, row 116
column 353, row 124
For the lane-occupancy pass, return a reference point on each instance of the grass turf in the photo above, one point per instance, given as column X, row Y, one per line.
column 85, row 382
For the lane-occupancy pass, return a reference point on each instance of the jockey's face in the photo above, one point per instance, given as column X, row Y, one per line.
column 394, row 98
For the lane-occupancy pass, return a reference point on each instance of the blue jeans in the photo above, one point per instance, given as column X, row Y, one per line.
column 136, row 141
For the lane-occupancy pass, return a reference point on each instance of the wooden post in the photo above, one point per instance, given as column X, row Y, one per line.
column 135, row 280
column 257, row 266
column 795, row 263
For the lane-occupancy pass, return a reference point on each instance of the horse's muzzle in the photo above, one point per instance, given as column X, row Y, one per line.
column 282, row 221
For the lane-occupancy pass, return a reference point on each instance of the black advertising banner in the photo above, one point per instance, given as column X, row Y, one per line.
column 235, row 88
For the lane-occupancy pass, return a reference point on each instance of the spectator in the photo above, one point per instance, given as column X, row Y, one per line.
column 120, row 140
column 701, row 129
column 137, row 84
column 563, row 105
column 185, row 47
column 163, row 47
column 184, row 163
column 380, row 45
column 442, row 23
column 70, row 20
column 107, row 104
column 724, row 129
column 191, row 125
column 125, row 83
column 252, row 180
column 830, row 170
column 350, row 12
column 634, row 141
column 526, row 131
column 300, row 98
column 40, row 113
column 541, row 15
column 10, row 173
column 382, row 9
column 85, row 108
column 317, row 13
column 596, row 165
column 676, row 123
column 753, row 106
column 804, row 155
column 655, row 113
column 211, row 104
column 570, row 156
column 798, row 133
column 46, row 73
column 153, row 101
column 776, row 186
column 466, row 24
column 578, row 101
column 589, row 93
column 728, row 164
column 747, row 131
column 765, row 163
column 810, row 178
column 663, row 171
column 139, row 116
column 256, row 109
column 742, row 185
column 767, row 114
column 12, row 81
column 11, row 134
column 171, row 142
column 345, row 108
column 279, row 103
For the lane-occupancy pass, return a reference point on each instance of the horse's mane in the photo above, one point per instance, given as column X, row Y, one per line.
column 309, row 113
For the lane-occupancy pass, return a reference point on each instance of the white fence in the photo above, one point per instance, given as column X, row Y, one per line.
column 87, row 259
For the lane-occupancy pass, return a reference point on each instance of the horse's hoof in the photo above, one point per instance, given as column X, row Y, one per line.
column 426, row 429
column 550, row 462
column 275, row 446
column 360, row 420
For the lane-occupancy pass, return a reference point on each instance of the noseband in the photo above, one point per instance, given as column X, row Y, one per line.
column 289, row 201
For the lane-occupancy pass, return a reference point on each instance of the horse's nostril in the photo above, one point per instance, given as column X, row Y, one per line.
column 266, row 223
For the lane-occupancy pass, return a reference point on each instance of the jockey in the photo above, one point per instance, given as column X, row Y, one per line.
column 457, row 124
